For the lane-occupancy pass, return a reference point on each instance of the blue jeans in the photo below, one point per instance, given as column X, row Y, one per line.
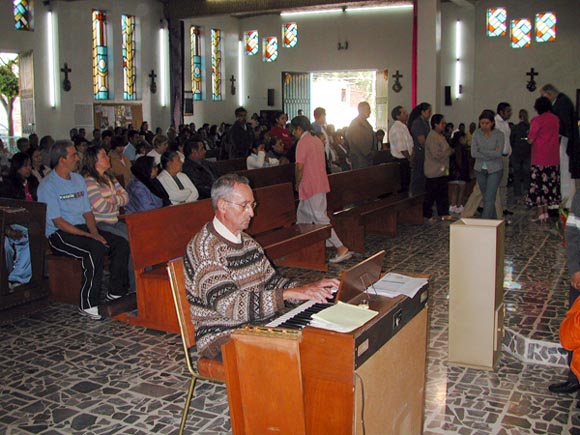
column 488, row 184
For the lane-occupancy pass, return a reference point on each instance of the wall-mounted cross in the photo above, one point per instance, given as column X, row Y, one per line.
column 233, row 87
column 153, row 85
column 397, row 85
column 531, row 85
column 66, row 85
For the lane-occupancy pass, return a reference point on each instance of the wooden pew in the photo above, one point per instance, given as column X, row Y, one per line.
column 367, row 200
column 155, row 237
column 158, row 236
column 31, row 215
column 269, row 176
column 284, row 241
column 229, row 166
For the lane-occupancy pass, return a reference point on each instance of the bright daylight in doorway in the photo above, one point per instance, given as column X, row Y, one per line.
column 339, row 92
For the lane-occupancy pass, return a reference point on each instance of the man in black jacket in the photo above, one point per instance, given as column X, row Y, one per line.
column 563, row 108
column 241, row 136
column 201, row 172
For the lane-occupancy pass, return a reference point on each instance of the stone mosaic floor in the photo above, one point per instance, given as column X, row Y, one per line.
column 63, row 374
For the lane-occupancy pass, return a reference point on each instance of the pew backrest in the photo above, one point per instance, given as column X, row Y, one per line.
column 232, row 165
column 362, row 185
column 268, row 176
column 275, row 208
column 157, row 236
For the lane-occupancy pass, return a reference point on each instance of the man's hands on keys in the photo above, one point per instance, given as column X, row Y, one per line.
column 319, row 291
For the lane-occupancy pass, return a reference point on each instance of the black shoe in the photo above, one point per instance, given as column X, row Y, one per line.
column 506, row 212
column 567, row 387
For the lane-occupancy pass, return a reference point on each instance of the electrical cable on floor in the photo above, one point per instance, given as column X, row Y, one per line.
column 362, row 408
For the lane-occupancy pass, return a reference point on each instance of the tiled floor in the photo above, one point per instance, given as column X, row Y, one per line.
column 63, row 374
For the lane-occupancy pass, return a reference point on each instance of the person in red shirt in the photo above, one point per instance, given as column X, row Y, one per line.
column 279, row 130
column 312, row 182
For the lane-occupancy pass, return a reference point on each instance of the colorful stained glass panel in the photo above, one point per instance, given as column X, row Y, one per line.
column 545, row 27
column 252, row 42
column 195, row 40
column 496, row 22
column 216, row 64
column 100, row 56
column 128, row 49
column 289, row 35
column 22, row 14
column 521, row 33
column 269, row 49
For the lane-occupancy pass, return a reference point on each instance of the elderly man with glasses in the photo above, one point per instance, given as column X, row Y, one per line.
column 229, row 280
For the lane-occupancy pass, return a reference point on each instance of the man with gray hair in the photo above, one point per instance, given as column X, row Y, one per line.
column 229, row 280
column 401, row 143
column 569, row 141
column 72, row 231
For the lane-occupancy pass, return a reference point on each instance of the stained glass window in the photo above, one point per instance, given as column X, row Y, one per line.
column 22, row 14
column 216, row 64
column 252, row 43
column 545, row 27
column 269, row 49
column 129, row 68
column 195, row 36
column 100, row 56
column 289, row 35
column 496, row 22
column 521, row 33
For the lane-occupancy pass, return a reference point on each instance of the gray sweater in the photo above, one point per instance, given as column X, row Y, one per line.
column 487, row 150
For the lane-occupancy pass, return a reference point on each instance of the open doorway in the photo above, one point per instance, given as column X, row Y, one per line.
column 340, row 92
column 10, row 116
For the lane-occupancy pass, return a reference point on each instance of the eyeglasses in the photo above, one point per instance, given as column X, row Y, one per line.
column 248, row 206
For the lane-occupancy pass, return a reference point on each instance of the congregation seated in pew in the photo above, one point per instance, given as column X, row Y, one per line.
column 72, row 231
column 145, row 190
column 200, row 171
column 177, row 185
column 222, row 256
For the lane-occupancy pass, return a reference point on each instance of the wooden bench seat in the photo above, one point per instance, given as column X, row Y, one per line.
column 158, row 236
column 368, row 201
column 268, row 176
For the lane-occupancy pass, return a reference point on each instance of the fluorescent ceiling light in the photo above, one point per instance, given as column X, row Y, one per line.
column 346, row 9
column 379, row 8
column 307, row 12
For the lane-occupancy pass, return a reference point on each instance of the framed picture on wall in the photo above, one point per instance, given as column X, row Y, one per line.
column 187, row 103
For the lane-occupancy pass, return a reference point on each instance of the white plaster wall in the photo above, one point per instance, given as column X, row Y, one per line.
column 499, row 71
column 75, row 42
column 377, row 40
column 462, row 108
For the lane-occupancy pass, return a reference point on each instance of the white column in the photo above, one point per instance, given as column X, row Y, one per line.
column 428, row 52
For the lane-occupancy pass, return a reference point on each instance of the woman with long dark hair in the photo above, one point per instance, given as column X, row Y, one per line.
column 486, row 148
column 145, row 191
column 38, row 169
column 106, row 195
column 19, row 184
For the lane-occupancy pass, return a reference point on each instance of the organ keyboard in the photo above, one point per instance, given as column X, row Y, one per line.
column 299, row 317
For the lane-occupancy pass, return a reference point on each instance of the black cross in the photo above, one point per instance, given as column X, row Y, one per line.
column 532, row 74
column 65, row 69
column 152, row 76
column 233, row 86
column 531, row 85
column 66, row 85
column 397, row 76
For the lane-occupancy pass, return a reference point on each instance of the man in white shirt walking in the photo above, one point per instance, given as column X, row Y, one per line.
column 504, row 113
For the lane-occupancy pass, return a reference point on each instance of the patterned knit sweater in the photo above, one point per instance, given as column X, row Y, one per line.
column 228, row 285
